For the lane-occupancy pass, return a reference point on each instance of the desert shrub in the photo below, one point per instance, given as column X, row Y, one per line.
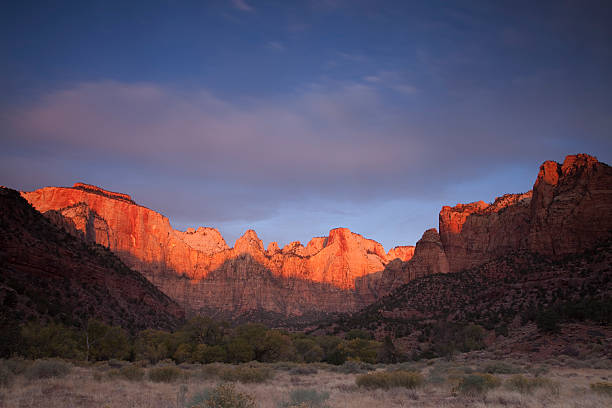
column 476, row 384
column 353, row 367
column 526, row 385
column 303, row 370
column 6, row 375
column 222, row 396
column 130, row 373
column 604, row 388
column 164, row 374
column 501, row 367
column 393, row 379
column 246, row 374
column 307, row 398
column 16, row 365
column 47, row 369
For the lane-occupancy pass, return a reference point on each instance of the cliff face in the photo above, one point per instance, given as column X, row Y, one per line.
column 46, row 272
column 568, row 211
column 199, row 270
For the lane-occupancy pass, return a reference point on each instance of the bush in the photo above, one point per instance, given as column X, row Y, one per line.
column 47, row 369
column 222, row 396
column 164, row 374
column 246, row 374
column 526, row 385
column 6, row 376
column 305, row 397
column 130, row 373
column 500, row 367
column 303, row 370
column 477, row 384
column 604, row 388
column 353, row 367
column 386, row 380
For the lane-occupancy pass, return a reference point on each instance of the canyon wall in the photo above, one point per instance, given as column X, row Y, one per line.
column 567, row 211
column 199, row 270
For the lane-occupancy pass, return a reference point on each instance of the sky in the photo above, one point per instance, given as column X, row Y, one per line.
column 296, row 117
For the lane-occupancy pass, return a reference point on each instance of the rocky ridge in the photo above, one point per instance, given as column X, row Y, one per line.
column 47, row 273
column 567, row 212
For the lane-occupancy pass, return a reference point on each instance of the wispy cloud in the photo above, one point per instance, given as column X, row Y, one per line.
column 242, row 5
column 275, row 45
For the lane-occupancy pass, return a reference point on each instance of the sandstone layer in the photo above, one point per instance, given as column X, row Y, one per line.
column 47, row 273
column 567, row 211
column 199, row 270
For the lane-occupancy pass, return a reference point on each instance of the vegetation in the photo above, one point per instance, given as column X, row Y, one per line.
column 604, row 388
column 390, row 379
column 477, row 384
column 222, row 396
column 526, row 385
column 47, row 369
column 164, row 374
column 306, row 397
column 199, row 340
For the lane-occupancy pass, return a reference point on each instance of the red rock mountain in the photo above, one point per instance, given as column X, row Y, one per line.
column 199, row 270
column 45, row 272
column 566, row 212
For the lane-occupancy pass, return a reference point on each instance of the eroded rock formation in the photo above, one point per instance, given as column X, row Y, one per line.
column 567, row 212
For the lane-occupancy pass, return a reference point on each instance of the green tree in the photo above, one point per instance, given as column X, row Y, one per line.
column 152, row 345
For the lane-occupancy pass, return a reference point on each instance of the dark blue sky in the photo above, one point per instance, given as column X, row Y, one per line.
column 296, row 117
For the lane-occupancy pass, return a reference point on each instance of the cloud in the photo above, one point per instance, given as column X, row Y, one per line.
column 196, row 156
column 275, row 46
column 242, row 5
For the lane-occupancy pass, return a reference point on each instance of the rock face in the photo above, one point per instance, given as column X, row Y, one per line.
column 429, row 258
column 403, row 253
column 568, row 211
column 46, row 272
column 199, row 270
column 204, row 239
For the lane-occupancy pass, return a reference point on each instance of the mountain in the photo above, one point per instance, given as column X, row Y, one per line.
column 567, row 212
column 542, row 257
column 200, row 271
column 47, row 273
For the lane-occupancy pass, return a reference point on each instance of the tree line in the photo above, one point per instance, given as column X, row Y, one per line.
column 199, row 340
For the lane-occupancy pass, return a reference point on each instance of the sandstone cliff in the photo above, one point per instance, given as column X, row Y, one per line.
column 47, row 273
column 199, row 270
column 568, row 211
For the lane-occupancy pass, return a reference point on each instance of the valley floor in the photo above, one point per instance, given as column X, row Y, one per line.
column 563, row 382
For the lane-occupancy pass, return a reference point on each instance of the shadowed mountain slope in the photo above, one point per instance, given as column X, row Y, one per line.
column 46, row 272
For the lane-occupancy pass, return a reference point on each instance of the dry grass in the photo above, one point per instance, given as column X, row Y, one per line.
column 88, row 386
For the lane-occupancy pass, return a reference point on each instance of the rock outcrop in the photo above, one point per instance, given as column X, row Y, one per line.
column 47, row 273
column 568, row 211
column 199, row 270
column 403, row 253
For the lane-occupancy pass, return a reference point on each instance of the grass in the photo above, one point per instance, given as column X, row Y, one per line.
column 527, row 385
column 390, row 379
column 603, row 387
column 222, row 396
column 246, row 374
column 306, row 397
column 477, row 384
column 129, row 373
column 326, row 388
column 164, row 374
column 41, row 369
